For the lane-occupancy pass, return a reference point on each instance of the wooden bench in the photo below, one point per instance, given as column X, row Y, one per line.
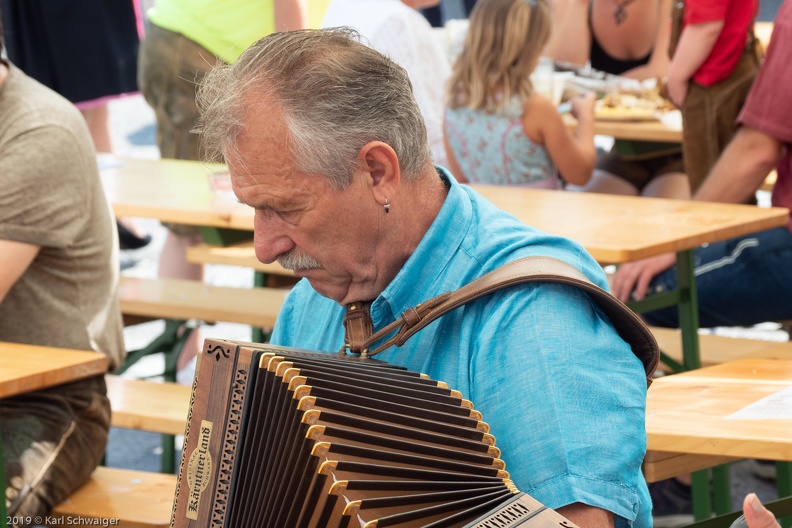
column 125, row 497
column 158, row 407
column 177, row 301
column 188, row 299
column 242, row 254
column 715, row 349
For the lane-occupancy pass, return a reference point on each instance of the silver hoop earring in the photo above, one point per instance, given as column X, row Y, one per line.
column 387, row 206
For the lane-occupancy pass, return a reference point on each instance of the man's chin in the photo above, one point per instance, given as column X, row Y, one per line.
column 322, row 288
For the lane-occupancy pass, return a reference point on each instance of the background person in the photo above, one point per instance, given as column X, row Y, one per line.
column 58, row 287
column 396, row 29
column 87, row 52
column 741, row 281
column 714, row 64
column 324, row 139
column 627, row 38
column 630, row 39
column 184, row 39
column 498, row 129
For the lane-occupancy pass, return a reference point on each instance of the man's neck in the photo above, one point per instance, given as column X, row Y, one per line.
column 425, row 200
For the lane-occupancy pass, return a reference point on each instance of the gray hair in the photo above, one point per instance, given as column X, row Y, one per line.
column 336, row 95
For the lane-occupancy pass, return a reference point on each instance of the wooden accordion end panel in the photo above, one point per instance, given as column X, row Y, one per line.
column 282, row 438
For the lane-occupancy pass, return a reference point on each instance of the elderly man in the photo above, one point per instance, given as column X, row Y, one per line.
column 324, row 139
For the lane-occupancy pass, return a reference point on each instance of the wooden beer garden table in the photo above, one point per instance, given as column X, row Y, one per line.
column 27, row 368
column 739, row 409
column 636, row 130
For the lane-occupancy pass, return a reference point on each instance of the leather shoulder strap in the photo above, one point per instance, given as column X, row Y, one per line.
column 522, row 271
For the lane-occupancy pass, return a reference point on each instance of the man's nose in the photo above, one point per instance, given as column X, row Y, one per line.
column 270, row 240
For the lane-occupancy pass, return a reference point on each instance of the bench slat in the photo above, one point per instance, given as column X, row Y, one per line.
column 241, row 254
column 186, row 299
column 159, row 407
column 660, row 465
column 716, row 349
column 139, row 499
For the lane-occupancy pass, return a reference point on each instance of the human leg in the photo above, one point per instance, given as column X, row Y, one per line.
column 52, row 441
column 669, row 179
column 672, row 185
column 98, row 119
column 741, row 281
column 605, row 183
column 173, row 264
column 614, row 175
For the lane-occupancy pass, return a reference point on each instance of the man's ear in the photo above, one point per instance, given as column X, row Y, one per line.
column 380, row 166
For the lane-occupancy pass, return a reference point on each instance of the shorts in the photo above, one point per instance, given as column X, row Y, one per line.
column 709, row 117
column 171, row 67
column 53, row 439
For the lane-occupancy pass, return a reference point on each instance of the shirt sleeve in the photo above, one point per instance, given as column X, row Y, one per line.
column 45, row 183
column 701, row 11
column 565, row 398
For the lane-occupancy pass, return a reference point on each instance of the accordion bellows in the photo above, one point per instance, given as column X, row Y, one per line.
column 282, row 438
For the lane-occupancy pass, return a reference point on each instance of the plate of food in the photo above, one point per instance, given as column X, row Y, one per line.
column 632, row 105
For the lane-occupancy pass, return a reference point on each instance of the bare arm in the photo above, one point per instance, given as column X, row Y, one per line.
column 570, row 17
column 695, row 45
column 15, row 258
column 290, row 15
column 587, row 516
column 573, row 155
column 739, row 172
column 741, row 168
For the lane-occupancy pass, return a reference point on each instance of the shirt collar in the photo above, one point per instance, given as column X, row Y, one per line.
column 430, row 258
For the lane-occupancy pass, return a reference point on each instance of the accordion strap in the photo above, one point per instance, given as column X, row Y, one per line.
column 522, row 271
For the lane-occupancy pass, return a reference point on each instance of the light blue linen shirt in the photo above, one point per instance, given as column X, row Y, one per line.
column 563, row 394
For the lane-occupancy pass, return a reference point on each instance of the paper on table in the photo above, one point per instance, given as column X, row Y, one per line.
column 777, row 406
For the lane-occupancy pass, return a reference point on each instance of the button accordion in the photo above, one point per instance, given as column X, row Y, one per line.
column 280, row 437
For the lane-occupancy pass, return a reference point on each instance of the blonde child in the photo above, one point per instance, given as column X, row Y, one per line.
column 498, row 130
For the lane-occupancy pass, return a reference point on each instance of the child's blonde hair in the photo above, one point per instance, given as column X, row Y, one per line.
column 502, row 47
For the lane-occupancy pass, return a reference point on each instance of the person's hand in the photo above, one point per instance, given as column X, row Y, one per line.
column 583, row 105
column 637, row 276
column 677, row 90
column 756, row 515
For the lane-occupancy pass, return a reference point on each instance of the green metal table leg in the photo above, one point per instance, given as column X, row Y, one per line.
column 168, row 460
column 163, row 343
column 721, row 489
column 688, row 310
column 702, row 504
column 784, row 487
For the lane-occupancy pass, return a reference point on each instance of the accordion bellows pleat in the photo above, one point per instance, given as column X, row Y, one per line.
column 282, row 438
